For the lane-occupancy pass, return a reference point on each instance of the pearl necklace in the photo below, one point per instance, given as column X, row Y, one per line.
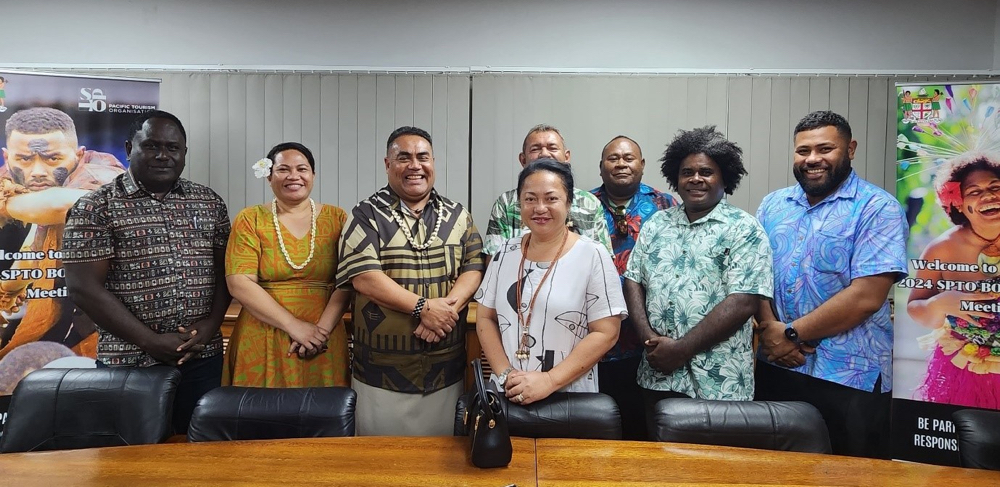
column 409, row 236
column 281, row 241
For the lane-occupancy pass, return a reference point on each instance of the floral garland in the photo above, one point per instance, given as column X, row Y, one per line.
column 281, row 240
column 983, row 338
column 409, row 236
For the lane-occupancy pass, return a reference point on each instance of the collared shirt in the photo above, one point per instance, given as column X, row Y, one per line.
column 645, row 202
column 585, row 213
column 858, row 231
column 387, row 354
column 161, row 253
column 689, row 268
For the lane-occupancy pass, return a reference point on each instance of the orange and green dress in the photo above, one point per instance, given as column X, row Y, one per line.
column 257, row 352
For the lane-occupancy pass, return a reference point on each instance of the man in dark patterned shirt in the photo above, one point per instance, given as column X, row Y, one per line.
column 627, row 204
column 144, row 258
column 414, row 258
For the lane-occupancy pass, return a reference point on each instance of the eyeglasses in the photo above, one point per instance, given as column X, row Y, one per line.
column 621, row 223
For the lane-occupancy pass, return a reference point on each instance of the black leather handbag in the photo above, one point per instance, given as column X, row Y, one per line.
column 486, row 424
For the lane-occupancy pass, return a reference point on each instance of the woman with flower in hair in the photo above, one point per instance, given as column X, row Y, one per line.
column 280, row 264
column 956, row 291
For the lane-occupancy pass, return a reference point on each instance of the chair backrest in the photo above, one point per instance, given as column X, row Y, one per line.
column 583, row 415
column 255, row 413
column 978, row 438
column 59, row 409
column 769, row 425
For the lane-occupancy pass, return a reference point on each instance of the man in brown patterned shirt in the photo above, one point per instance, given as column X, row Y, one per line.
column 144, row 257
column 414, row 259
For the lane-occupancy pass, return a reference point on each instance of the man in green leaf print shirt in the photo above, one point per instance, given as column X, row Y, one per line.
column 696, row 276
column 586, row 214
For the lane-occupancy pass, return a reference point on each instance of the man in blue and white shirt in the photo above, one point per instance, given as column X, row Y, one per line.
column 839, row 244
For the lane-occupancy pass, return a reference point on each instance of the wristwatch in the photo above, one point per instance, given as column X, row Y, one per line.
column 502, row 378
column 791, row 334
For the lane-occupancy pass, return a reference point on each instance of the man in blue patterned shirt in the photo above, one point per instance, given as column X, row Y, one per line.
column 839, row 244
column 696, row 277
column 627, row 203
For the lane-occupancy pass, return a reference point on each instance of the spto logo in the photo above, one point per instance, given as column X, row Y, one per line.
column 93, row 100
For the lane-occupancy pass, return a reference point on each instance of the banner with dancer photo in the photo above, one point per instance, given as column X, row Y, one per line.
column 64, row 136
column 947, row 313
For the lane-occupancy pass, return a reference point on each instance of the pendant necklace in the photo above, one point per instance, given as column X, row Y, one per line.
column 990, row 254
column 523, row 351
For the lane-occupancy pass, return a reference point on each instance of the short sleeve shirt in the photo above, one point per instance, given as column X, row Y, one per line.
column 387, row 354
column 585, row 214
column 583, row 287
column 860, row 230
column 161, row 253
column 689, row 268
column 643, row 205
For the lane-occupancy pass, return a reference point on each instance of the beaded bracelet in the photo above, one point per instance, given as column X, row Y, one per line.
column 418, row 308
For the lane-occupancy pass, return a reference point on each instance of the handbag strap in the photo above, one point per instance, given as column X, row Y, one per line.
column 483, row 396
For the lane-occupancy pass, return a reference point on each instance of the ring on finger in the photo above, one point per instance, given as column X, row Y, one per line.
column 520, row 398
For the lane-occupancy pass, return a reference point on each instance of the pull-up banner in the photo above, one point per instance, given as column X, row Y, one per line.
column 947, row 312
column 64, row 136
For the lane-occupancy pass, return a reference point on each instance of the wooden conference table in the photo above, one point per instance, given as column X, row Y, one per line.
column 443, row 461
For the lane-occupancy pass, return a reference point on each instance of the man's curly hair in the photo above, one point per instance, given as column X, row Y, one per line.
column 708, row 141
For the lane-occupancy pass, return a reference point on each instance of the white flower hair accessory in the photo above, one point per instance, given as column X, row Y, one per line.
column 262, row 168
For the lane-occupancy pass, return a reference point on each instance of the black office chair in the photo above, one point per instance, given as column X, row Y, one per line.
column 255, row 413
column 582, row 415
column 59, row 409
column 769, row 425
column 978, row 438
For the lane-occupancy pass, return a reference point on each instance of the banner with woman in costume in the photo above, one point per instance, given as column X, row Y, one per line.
column 947, row 342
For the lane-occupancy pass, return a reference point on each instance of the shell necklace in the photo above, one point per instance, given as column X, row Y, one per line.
column 406, row 229
column 524, row 347
column 281, row 240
